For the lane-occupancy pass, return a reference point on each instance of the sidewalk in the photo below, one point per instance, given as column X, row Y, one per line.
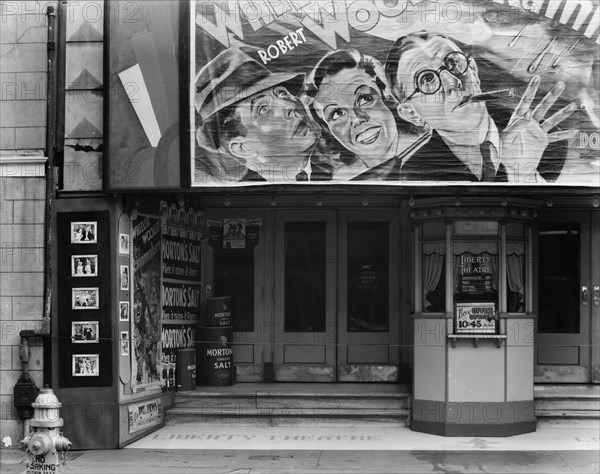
column 138, row 461
column 195, row 449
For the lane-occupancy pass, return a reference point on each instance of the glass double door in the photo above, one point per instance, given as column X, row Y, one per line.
column 568, row 298
column 317, row 298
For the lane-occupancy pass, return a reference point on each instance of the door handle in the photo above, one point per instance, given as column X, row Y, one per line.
column 585, row 295
column 596, row 295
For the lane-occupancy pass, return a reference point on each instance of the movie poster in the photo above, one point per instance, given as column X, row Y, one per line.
column 146, row 314
column 419, row 92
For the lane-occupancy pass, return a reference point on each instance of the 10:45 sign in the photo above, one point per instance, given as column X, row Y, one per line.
column 478, row 318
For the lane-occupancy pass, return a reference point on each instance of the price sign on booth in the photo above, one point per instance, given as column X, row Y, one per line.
column 477, row 318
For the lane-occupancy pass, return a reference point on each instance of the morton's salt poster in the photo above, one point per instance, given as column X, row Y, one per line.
column 394, row 91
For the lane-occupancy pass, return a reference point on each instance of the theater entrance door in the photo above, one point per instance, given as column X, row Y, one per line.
column 315, row 297
column 568, row 298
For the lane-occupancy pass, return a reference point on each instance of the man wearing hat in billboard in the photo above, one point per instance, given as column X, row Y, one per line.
column 252, row 127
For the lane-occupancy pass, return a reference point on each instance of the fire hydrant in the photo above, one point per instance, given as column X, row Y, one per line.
column 46, row 446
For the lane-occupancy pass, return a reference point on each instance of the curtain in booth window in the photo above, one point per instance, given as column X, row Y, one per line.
column 515, row 265
column 433, row 264
column 494, row 263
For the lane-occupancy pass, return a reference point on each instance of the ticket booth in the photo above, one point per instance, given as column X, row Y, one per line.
column 473, row 318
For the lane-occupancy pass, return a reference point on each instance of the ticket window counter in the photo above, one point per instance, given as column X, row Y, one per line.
column 473, row 319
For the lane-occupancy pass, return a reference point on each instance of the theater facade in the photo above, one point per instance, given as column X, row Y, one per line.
column 390, row 193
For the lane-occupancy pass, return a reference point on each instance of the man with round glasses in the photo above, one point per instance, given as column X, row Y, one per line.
column 432, row 74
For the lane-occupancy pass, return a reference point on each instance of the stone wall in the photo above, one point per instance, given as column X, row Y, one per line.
column 23, row 64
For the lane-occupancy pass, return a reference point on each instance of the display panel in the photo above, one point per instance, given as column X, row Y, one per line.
column 412, row 92
column 84, row 337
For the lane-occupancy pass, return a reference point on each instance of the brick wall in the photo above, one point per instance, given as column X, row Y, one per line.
column 23, row 34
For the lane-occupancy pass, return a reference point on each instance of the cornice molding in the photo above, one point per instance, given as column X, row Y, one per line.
column 21, row 166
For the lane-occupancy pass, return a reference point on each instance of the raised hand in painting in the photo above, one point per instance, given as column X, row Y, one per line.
column 523, row 141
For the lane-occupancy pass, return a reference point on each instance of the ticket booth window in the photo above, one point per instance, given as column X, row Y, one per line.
column 476, row 287
column 476, row 275
column 470, row 266
column 476, row 272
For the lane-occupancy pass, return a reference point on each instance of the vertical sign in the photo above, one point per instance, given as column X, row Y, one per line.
column 181, row 230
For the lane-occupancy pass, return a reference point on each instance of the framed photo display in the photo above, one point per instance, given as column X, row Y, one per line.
column 124, row 343
column 86, row 365
column 124, row 272
column 84, row 232
column 123, row 310
column 84, row 331
column 84, row 265
column 124, row 244
column 84, row 298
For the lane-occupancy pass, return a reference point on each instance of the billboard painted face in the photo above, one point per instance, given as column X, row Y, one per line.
column 383, row 92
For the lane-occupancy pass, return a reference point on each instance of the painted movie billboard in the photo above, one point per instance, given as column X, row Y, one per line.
column 394, row 91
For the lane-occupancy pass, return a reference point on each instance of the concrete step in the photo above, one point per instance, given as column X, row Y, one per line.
column 568, row 414
column 295, row 401
column 292, row 405
column 349, row 422
column 567, row 404
column 566, row 390
column 285, row 416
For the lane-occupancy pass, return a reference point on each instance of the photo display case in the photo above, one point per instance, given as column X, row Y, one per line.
column 84, row 301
